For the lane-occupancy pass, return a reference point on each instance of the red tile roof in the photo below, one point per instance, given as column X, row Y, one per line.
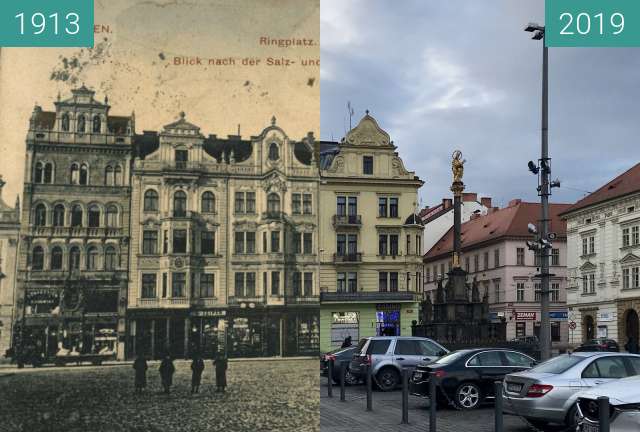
column 510, row 221
column 626, row 183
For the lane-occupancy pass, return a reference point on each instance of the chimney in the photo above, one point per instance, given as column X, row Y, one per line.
column 469, row 196
column 514, row 202
column 486, row 202
column 475, row 215
column 446, row 203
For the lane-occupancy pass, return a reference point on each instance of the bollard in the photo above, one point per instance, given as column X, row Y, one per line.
column 343, row 372
column 498, row 407
column 603, row 413
column 405, row 396
column 369, row 389
column 433, row 401
column 330, row 378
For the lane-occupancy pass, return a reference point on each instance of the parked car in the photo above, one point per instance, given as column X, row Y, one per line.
column 624, row 406
column 532, row 340
column 548, row 392
column 601, row 344
column 467, row 377
column 339, row 357
column 388, row 355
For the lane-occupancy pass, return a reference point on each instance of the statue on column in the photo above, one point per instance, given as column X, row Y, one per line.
column 457, row 166
column 427, row 309
column 439, row 292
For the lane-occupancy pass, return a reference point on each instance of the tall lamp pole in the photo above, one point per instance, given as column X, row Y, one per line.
column 543, row 246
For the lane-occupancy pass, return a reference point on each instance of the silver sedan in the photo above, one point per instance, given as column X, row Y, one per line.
column 547, row 393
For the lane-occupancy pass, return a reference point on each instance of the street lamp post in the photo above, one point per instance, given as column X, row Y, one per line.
column 544, row 191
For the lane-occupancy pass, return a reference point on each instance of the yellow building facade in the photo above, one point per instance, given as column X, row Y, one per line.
column 371, row 239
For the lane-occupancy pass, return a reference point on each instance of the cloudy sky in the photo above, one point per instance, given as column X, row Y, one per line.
column 440, row 75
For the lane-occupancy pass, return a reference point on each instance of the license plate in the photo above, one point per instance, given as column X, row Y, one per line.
column 589, row 427
column 514, row 388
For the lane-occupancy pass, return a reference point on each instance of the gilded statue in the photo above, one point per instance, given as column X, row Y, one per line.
column 457, row 166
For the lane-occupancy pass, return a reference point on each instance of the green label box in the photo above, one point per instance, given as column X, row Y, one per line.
column 46, row 23
column 592, row 23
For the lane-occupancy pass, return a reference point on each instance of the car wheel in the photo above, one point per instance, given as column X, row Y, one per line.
column 350, row 379
column 468, row 396
column 387, row 379
column 573, row 417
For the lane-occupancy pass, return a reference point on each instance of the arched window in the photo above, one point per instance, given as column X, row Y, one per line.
column 58, row 215
column 151, row 200
column 94, row 216
column 75, row 174
column 76, row 216
column 37, row 262
column 179, row 204
column 84, row 174
column 117, row 175
column 48, row 173
column 97, row 124
column 74, row 258
column 65, row 122
column 81, row 124
column 208, row 202
column 39, row 172
column 41, row 215
column 56, row 258
column 274, row 152
column 108, row 176
column 110, row 259
column 273, row 203
column 112, row 216
column 92, row 258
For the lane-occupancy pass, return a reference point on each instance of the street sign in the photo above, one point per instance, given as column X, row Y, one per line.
column 552, row 236
column 572, row 325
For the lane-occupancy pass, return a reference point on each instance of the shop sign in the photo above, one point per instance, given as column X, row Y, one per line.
column 559, row 315
column 525, row 316
column 209, row 313
column 345, row 317
column 606, row 316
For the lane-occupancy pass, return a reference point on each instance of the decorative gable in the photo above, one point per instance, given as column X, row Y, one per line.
column 629, row 259
column 588, row 267
column 368, row 133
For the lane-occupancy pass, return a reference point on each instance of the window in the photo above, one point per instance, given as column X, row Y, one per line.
column 37, row 260
column 592, row 245
column 555, row 292
column 393, row 281
column 635, row 235
column 82, row 123
column 516, row 359
column 296, row 203
column 466, row 264
column 537, row 292
column 352, row 244
column 487, row 358
column 207, row 285
column 109, row 179
column 179, row 204
column 273, row 203
column 379, row 346
column 382, row 207
column 476, row 263
column 149, row 242
column 251, row 242
column 274, row 152
column 117, row 176
column 341, row 244
column 496, row 258
column 239, row 284
column 178, row 282
column 555, row 257
column 520, row 291
column 208, row 202
column 382, row 244
column 41, row 215
column 76, row 216
column 307, row 243
column 74, row 258
column 275, row 241
column 353, row 206
column 418, row 244
column 148, row 285
column 112, row 216
column 179, row 241
column 65, row 122
column 631, row 277
column 496, row 290
column 367, row 164
column 585, row 283
column 341, row 206
column 306, row 204
column 611, row 367
column 418, row 281
column 181, row 157
column 239, row 202
column 38, row 174
column 164, row 285
column 406, row 347
column 588, row 245
column 486, row 260
column 555, row 331
column 408, row 280
column 94, row 216
column 592, row 283
column 207, row 242
column 265, row 248
column 251, row 284
column 110, row 259
column 297, row 243
column 382, row 281
column 341, row 284
column 75, row 174
column 626, row 240
column 239, row 242
column 585, row 246
column 56, row 258
column 427, row 274
column 151, row 200
column 408, row 244
column 297, row 284
column 84, row 174
column 393, row 244
column 275, row 283
column 520, row 256
column 48, row 173
column 521, row 329
column 97, row 124
column 92, row 258
column 352, row 282
column 393, row 207
column 251, row 202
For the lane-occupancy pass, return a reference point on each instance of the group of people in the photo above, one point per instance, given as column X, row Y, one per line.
column 167, row 369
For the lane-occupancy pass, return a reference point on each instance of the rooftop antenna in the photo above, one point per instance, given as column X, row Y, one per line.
column 351, row 112
column 238, row 129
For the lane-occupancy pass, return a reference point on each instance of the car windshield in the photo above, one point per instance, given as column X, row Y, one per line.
column 340, row 350
column 451, row 357
column 361, row 345
column 557, row 365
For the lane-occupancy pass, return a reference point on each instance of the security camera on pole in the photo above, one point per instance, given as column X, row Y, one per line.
column 542, row 243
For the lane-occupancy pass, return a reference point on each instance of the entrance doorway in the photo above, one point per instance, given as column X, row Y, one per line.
column 589, row 328
column 632, row 325
column 388, row 323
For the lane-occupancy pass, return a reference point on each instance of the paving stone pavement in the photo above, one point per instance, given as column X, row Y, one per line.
column 351, row 415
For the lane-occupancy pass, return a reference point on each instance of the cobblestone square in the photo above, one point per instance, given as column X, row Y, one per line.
column 273, row 395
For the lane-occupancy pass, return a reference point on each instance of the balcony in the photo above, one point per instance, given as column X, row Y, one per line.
column 303, row 299
column 205, row 302
column 349, row 258
column 76, row 231
column 246, row 301
column 273, row 215
column 370, row 296
column 347, row 221
column 163, row 303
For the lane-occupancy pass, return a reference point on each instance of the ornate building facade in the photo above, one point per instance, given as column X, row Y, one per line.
column 371, row 242
column 72, row 270
column 9, row 238
column 224, row 244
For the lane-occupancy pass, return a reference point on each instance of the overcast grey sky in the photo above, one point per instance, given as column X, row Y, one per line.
column 440, row 75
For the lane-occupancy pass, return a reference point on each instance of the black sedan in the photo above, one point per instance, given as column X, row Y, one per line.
column 340, row 357
column 467, row 377
column 600, row 344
